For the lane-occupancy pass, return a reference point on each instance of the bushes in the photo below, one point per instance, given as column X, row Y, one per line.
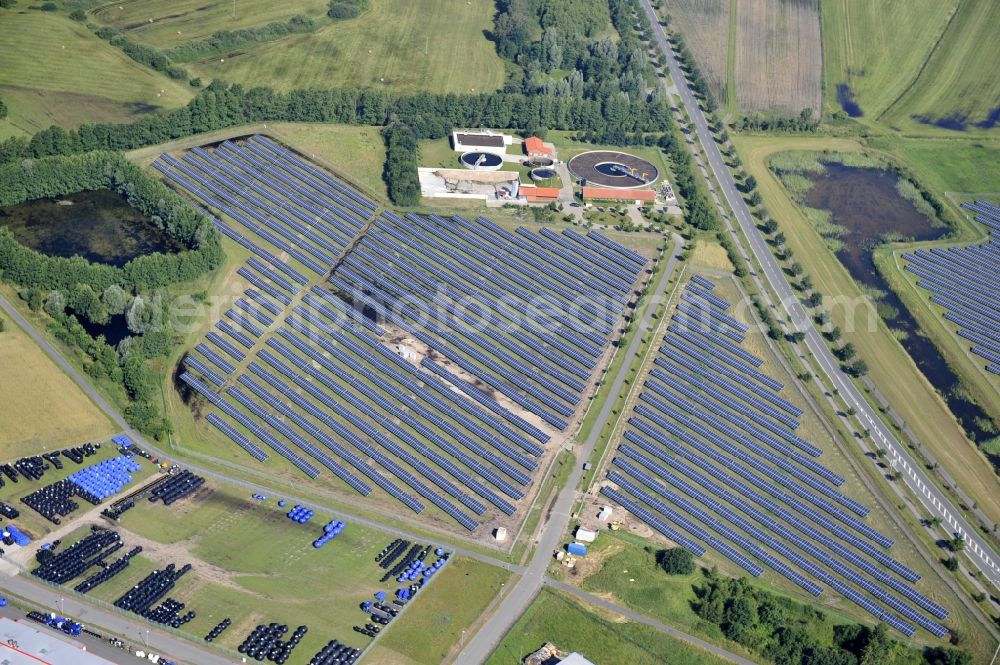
column 144, row 55
column 676, row 561
column 227, row 41
column 3, row 110
column 402, row 157
column 345, row 9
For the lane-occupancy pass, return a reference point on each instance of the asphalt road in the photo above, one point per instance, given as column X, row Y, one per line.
column 978, row 551
column 528, row 585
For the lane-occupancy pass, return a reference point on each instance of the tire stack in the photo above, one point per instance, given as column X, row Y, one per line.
column 335, row 653
column 77, row 558
column 153, row 587
column 219, row 628
column 53, row 501
column 176, row 487
column 107, row 573
column 168, row 613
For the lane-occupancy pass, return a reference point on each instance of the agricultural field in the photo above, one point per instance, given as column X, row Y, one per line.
column 957, row 88
column 872, row 52
column 250, row 563
column 42, row 409
column 756, row 55
column 164, row 25
column 890, row 367
column 54, row 70
column 779, row 56
column 571, row 625
column 705, row 26
column 388, row 46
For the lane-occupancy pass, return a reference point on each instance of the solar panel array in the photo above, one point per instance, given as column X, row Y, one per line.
column 711, row 460
column 962, row 280
column 305, row 363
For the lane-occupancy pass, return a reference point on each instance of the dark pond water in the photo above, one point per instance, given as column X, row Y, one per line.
column 97, row 225
column 114, row 331
column 865, row 202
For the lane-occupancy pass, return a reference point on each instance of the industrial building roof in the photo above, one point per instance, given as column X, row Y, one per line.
column 540, row 192
column 36, row 646
column 483, row 140
column 610, row 194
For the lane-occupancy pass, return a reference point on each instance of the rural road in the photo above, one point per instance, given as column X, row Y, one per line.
column 528, row 585
column 933, row 499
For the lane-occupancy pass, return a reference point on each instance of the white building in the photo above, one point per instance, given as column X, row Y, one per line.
column 605, row 513
column 500, row 534
column 480, row 141
column 585, row 535
column 575, row 659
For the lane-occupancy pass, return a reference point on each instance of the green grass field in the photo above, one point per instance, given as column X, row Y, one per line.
column 41, row 408
column 460, row 595
column 54, row 70
column 957, row 86
column 254, row 565
column 610, row 640
column 878, row 48
column 165, row 24
column 402, row 45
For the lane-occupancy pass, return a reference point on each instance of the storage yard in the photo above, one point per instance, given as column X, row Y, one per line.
column 393, row 325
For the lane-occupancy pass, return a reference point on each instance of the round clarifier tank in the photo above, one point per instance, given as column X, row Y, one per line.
column 481, row 161
column 543, row 173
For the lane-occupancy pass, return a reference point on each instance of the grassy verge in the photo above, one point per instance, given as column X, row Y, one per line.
column 425, row 635
column 611, row 640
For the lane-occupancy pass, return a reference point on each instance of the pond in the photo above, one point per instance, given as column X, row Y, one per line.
column 866, row 203
column 98, row 225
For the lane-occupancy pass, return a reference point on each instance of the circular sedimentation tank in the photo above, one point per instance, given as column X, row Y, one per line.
column 542, row 174
column 610, row 168
column 481, row 161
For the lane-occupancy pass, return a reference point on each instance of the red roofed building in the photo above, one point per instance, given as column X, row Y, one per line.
column 534, row 147
column 610, row 194
column 534, row 194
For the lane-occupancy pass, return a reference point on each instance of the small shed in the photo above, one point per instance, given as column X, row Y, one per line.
column 605, row 513
column 500, row 534
column 577, row 549
column 585, row 535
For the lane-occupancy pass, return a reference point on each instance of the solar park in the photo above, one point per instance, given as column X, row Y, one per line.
column 962, row 280
column 432, row 362
column 711, row 460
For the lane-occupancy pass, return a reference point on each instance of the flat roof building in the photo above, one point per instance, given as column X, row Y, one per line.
column 23, row 644
column 486, row 141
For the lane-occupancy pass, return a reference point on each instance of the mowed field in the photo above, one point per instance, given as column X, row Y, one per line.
column 403, row 45
column 54, row 70
column 958, row 87
column 890, row 367
column 40, row 407
column 559, row 618
column 254, row 565
column 779, row 56
column 165, row 24
column 878, row 48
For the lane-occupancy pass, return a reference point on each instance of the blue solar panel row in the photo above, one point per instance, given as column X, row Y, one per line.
column 192, row 362
column 702, row 282
column 254, row 312
column 273, row 307
column 264, row 254
column 490, row 403
column 591, row 245
column 237, row 438
column 275, row 278
column 256, row 429
column 587, row 260
column 653, row 521
column 215, row 358
column 230, row 330
column 226, row 346
column 353, row 314
column 635, row 257
column 241, row 320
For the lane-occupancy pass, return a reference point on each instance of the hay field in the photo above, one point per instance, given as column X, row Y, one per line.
column 704, row 24
column 53, row 69
column 165, row 24
column 779, row 56
column 877, row 49
column 403, row 45
column 40, row 407
column 958, row 87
